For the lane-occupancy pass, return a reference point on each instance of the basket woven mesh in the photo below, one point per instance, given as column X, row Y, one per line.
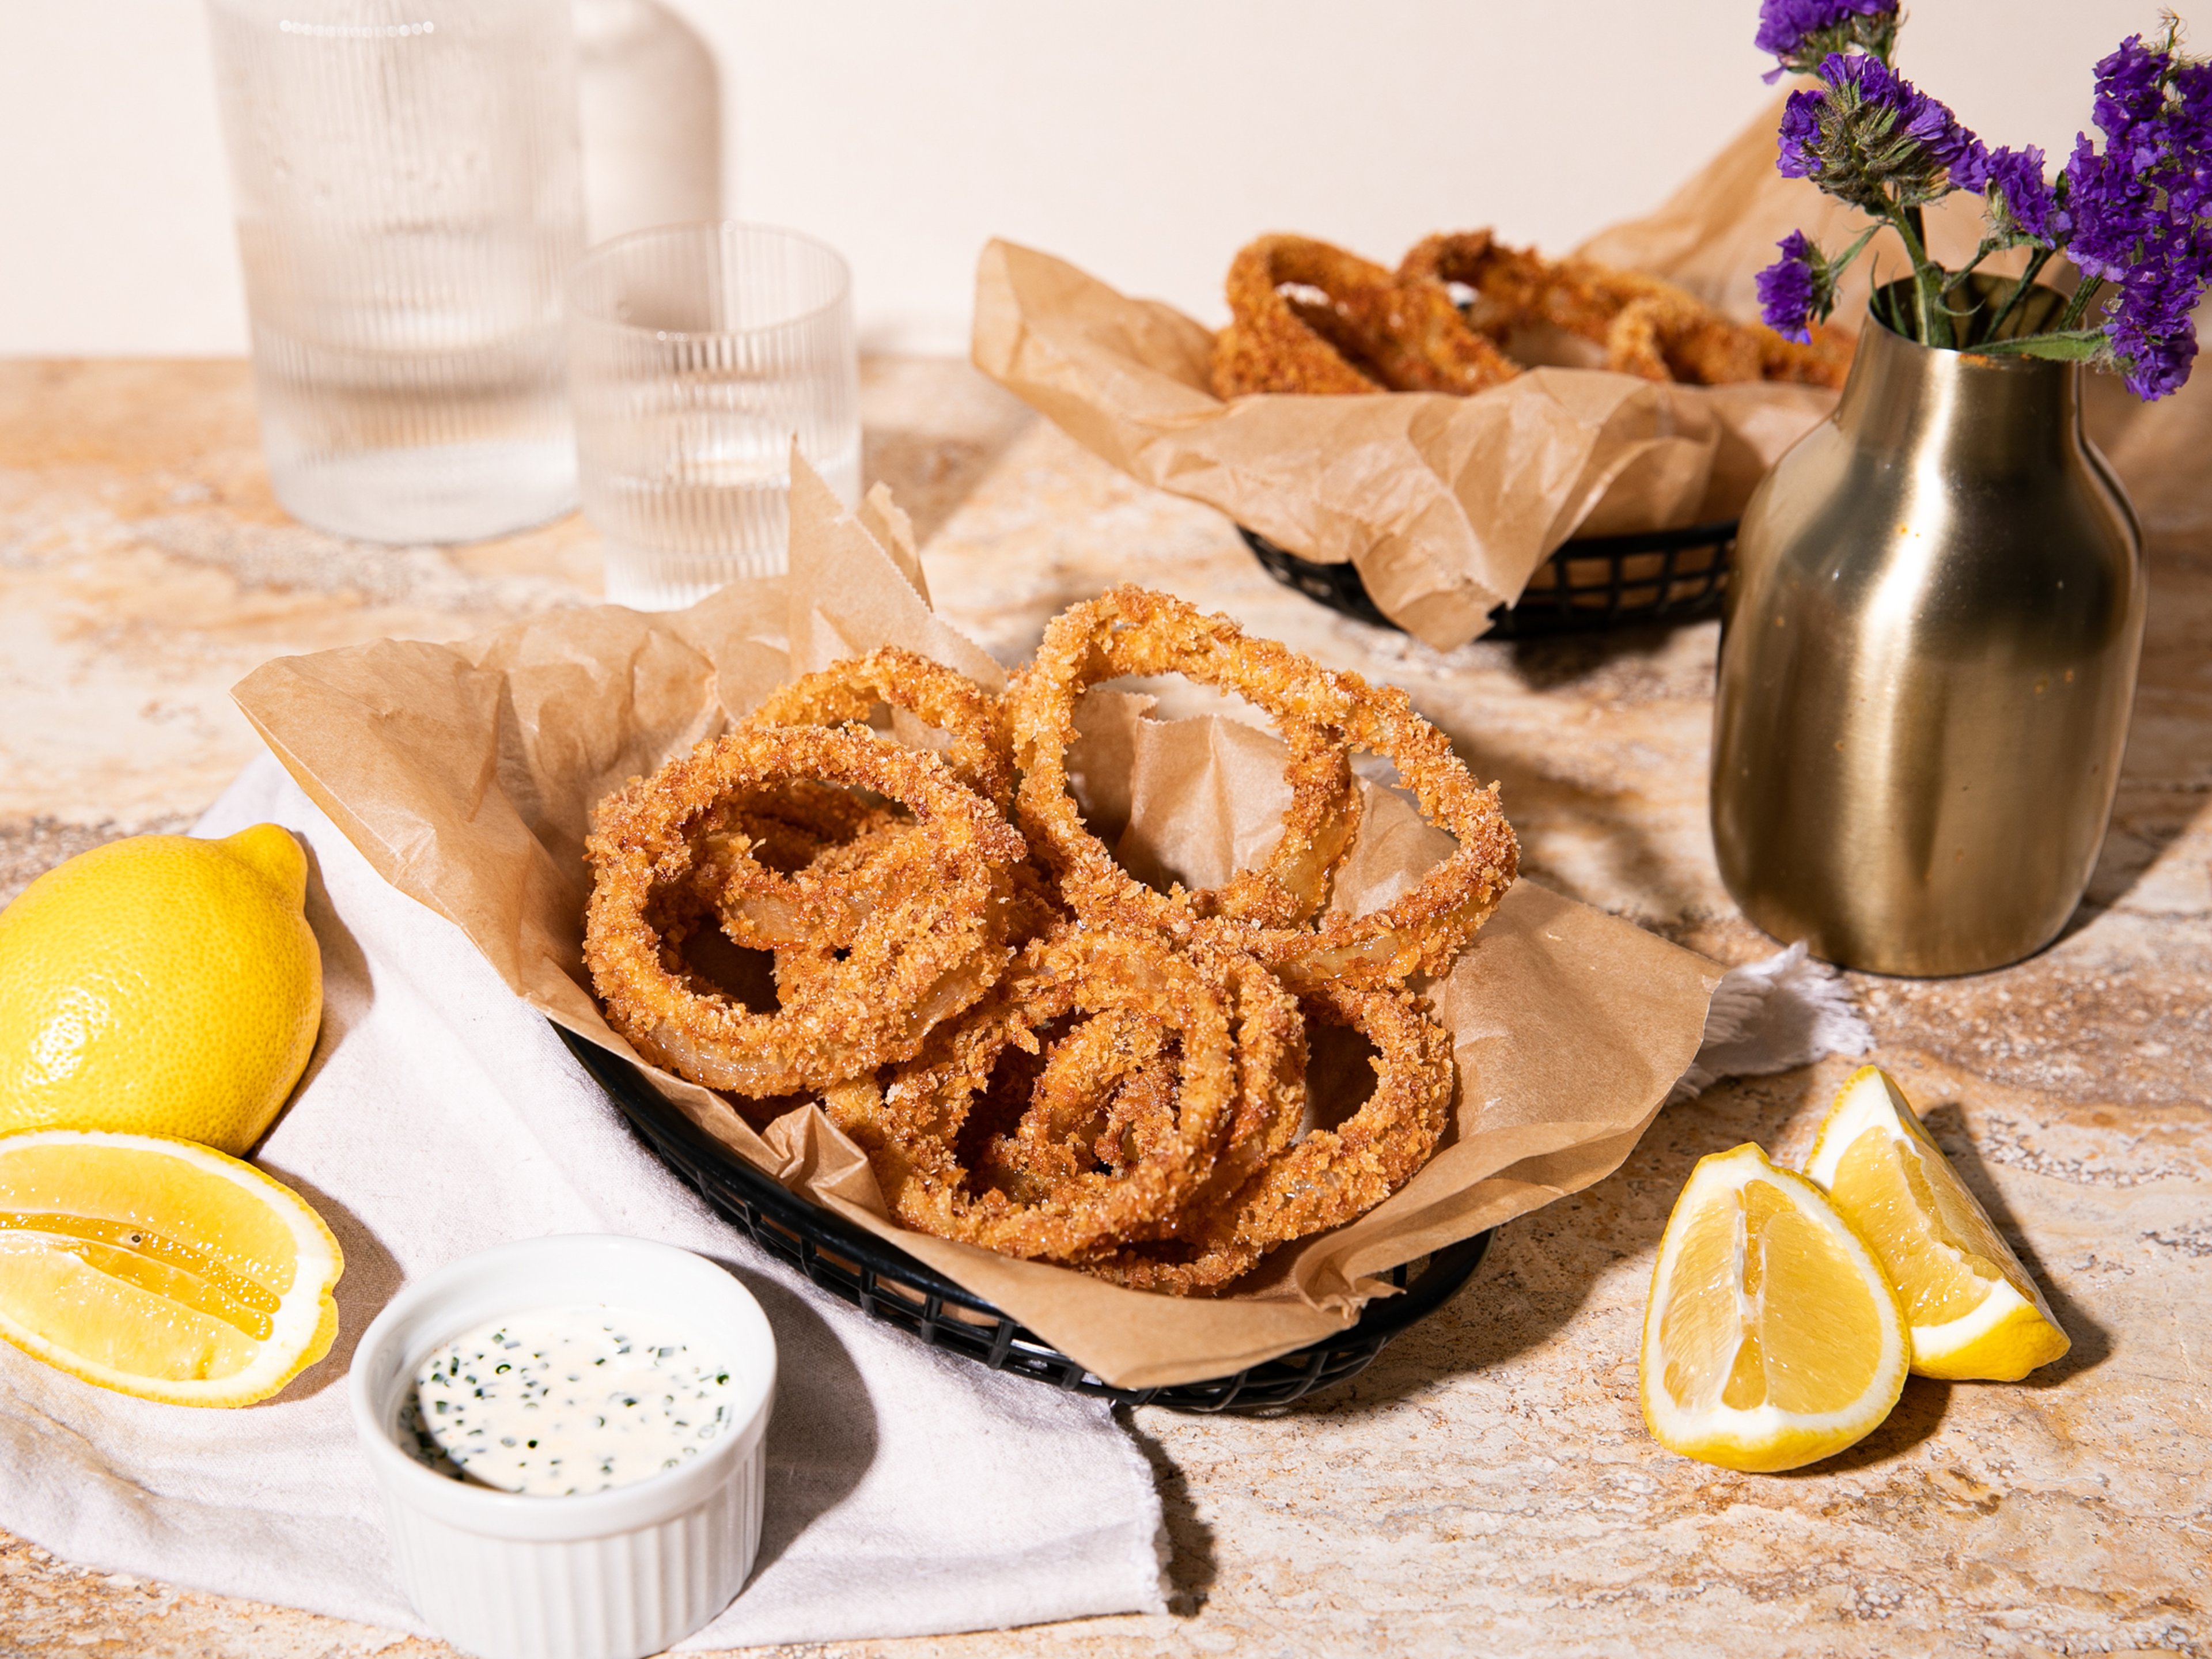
column 1593, row 583
column 888, row 1284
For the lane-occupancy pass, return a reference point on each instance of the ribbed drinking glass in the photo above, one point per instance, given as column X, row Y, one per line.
column 697, row 353
column 409, row 198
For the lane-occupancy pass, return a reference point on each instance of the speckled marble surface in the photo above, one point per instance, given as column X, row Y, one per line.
column 1487, row 1486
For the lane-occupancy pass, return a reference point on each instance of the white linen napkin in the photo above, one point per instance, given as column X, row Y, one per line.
column 909, row 1492
column 1774, row 1015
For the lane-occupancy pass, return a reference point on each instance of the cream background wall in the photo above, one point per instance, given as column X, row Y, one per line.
column 1144, row 139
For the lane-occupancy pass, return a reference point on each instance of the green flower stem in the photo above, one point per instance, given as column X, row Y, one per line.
column 2079, row 305
column 1960, row 276
column 1927, row 279
column 1837, row 266
column 2078, row 345
column 2035, row 263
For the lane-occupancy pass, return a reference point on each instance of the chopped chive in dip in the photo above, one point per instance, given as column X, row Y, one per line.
column 505, row 1404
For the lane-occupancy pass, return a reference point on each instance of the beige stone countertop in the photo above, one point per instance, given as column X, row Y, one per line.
column 1487, row 1486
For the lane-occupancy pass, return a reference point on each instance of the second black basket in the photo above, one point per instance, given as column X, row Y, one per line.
column 887, row 1284
column 1593, row 583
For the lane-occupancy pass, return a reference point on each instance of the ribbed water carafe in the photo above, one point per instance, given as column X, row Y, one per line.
column 408, row 197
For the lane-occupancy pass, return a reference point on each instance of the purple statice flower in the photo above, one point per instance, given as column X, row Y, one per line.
column 2021, row 204
column 1788, row 288
column 2130, row 98
column 1801, row 134
column 2153, row 335
column 1927, row 122
column 2139, row 209
column 1869, row 136
column 1799, row 34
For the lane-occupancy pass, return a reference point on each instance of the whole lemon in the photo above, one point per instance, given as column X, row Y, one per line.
column 161, row 985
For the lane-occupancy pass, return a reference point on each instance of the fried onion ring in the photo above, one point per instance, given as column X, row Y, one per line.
column 1132, row 630
column 1367, row 331
column 1106, row 1094
column 1423, row 929
column 929, row 947
column 910, row 1126
column 844, row 693
column 1649, row 328
column 1331, row 1175
column 835, row 888
column 1129, row 630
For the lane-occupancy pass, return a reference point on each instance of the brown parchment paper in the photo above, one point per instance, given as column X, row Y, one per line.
column 1446, row 504
column 467, row 775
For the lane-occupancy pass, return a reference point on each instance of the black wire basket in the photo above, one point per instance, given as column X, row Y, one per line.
column 1590, row 584
column 886, row 1283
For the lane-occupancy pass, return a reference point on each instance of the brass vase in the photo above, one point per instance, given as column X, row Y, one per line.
column 1927, row 666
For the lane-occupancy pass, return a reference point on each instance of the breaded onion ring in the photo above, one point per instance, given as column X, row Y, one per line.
column 1269, row 346
column 836, row 888
column 929, row 948
column 1368, row 332
column 1132, row 631
column 1106, row 1094
column 910, row 1126
column 1649, row 328
column 1425, row 928
column 1331, row 1175
column 845, row 693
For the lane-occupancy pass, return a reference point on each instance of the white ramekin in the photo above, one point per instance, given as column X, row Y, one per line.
column 613, row 1575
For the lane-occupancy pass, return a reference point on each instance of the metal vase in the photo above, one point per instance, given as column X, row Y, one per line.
column 1927, row 667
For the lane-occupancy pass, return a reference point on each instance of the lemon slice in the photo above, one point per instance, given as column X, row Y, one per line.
column 1771, row 1338
column 1974, row 1311
column 161, row 1268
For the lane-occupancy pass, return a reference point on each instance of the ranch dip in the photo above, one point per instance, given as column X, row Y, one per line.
column 564, row 1401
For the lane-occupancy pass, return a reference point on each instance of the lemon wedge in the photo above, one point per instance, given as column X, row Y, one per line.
column 161, row 1268
column 1771, row 1339
column 1974, row 1312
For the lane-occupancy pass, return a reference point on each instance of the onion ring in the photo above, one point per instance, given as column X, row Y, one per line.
column 846, row 692
column 1331, row 1175
column 1423, row 928
column 1106, row 1094
column 909, row 1127
column 1649, row 328
column 836, row 890
column 1369, row 332
column 930, row 951
column 1132, row 631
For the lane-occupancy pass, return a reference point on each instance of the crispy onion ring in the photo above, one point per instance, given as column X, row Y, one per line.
column 910, row 1126
column 808, row 910
column 758, row 900
column 844, row 693
column 1423, row 929
column 1331, row 1175
column 1132, row 631
column 927, row 950
column 1106, row 1094
column 1368, row 332
column 1649, row 328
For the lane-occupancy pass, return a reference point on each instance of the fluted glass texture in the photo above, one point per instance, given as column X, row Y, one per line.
column 697, row 354
column 408, row 197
